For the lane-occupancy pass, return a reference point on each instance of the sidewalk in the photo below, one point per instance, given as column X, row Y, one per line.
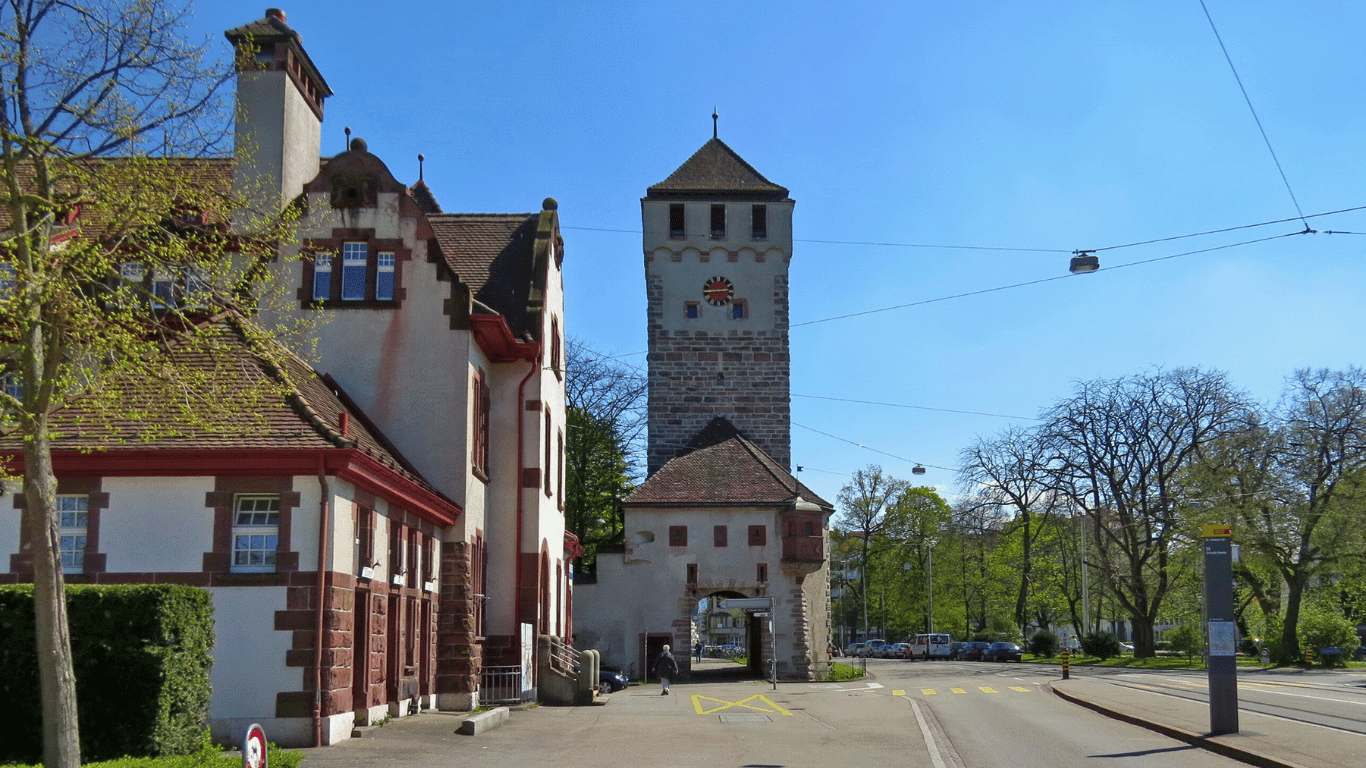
column 1262, row 741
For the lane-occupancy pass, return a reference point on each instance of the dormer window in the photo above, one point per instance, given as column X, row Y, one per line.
column 355, row 269
column 354, row 191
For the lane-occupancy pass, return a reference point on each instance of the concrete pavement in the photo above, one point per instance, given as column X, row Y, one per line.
column 640, row 725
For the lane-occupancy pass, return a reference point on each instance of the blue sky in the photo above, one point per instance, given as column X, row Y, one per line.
column 1041, row 127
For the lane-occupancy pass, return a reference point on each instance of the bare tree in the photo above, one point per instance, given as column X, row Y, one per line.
column 1011, row 472
column 1121, row 449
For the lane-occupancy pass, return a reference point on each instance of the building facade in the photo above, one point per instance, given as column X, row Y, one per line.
column 720, row 516
column 404, row 520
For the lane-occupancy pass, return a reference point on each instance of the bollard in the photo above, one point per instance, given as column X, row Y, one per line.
column 1309, row 655
column 1066, row 664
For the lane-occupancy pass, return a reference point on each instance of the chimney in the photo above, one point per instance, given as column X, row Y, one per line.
column 280, row 96
column 345, row 424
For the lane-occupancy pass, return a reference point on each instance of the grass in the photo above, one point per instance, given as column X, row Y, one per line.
column 840, row 672
column 208, row 756
column 1157, row 662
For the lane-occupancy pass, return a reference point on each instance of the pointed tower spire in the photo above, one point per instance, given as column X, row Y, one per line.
column 714, row 118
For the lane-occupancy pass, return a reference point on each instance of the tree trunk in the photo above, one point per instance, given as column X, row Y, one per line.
column 1144, row 644
column 1290, row 633
column 56, row 673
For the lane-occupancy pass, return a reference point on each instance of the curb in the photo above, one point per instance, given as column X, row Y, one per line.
column 1194, row 739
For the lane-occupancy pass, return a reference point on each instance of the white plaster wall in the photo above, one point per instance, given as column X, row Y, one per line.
column 277, row 137
column 645, row 590
column 10, row 525
column 249, row 655
column 398, row 366
column 145, row 515
column 305, row 520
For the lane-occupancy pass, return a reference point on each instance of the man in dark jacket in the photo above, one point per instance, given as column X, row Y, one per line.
column 665, row 668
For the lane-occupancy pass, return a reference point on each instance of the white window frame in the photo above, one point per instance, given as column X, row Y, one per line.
column 355, row 258
column 73, row 530
column 384, row 265
column 322, row 266
column 255, row 529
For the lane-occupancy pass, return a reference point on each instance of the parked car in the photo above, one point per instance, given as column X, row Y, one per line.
column 854, row 650
column 897, row 651
column 1126, row 647
column 1002, row 652
column 611, row 679
column 973, row 651
column 870, row 648
column 956, row 649
column 933, row 645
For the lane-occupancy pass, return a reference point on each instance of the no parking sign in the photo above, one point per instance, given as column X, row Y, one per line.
column 254, row 747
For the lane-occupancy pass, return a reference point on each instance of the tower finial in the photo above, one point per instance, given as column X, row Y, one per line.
column 348, row 137
column 714, row 119
column 420, row 159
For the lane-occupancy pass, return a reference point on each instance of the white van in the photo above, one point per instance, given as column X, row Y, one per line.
column 932, row 645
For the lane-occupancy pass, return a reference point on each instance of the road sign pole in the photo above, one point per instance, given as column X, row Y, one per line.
column 1221, row 629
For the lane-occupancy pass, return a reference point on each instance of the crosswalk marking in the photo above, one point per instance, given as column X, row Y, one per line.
column 983, row 689
column 898, row 693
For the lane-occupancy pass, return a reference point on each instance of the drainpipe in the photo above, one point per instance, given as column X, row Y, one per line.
column 521, row 492
column 324, row 543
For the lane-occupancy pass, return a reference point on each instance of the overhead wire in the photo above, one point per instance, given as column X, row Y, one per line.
column 869, row 448
column 1253, row 110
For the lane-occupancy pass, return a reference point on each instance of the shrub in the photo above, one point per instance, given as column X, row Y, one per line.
column 1043, row 644
column 1102, row 645
column 843, row 672
column 1186, row 638
column 1321, row 629
column 141, row 655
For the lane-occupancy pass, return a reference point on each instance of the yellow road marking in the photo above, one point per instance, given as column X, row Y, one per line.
column 927, row 691
column 774, row 708
column 958, row 690
column 1018, row 688
column 985, row 689
column 898, row 693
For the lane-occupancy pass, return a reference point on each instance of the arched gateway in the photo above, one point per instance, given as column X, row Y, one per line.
column 720, row 511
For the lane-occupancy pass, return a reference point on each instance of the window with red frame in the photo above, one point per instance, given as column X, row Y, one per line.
column 479, row 425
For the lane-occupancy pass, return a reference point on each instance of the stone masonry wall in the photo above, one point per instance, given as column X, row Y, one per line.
column 683, row 390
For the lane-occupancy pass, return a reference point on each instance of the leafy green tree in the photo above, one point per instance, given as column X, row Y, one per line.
column 866, row 503
column 1186, row 638
column 1322, row 628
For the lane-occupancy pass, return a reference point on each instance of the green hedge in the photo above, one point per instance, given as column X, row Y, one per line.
column 142, row 655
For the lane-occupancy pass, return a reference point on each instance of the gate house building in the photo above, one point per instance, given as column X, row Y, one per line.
column 720, row 515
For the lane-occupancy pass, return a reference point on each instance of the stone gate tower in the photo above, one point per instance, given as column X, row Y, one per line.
column 717, row 239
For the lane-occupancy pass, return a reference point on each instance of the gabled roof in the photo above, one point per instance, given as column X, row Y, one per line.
column 716, row 170
column 308, row 417
column 495, row 255
column 722, row 468
column 424, row 197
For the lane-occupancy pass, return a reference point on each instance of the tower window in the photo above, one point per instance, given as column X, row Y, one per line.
column 677, row 227
column 692, row 573
column 739, row 309
column 759, row 228
column 762, row 575
column 719, row 535
column 692, row 310
column 718, row 221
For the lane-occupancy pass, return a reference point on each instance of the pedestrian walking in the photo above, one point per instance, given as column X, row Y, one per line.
column 697, row 651
column 665, row 668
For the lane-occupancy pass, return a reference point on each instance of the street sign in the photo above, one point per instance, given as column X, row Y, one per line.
column 1216, row 531
column 747, row 603
column 254, row 747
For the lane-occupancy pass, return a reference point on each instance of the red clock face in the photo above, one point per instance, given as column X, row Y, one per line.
column 718, row 291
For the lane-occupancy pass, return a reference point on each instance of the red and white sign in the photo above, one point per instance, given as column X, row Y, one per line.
column 254, row 747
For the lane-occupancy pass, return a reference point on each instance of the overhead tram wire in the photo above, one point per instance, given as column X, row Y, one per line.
column 1255, row 118
column 867, row 448
column 1043, row 280
column 919, row 407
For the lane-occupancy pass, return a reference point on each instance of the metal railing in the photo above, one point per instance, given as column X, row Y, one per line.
column 564, row 658
column 503, row 685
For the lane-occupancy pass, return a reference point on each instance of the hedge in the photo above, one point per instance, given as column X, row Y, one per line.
column 142, row 655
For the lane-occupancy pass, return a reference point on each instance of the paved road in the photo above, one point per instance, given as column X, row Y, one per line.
column 908, row 714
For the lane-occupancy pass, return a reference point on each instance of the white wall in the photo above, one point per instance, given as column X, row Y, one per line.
column 156, row 524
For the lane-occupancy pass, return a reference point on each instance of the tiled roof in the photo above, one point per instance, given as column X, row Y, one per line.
column 301, row 410
column 723, row 468
column 424, row 197
column 492, row 253
column 716, row 169
column 203, row 182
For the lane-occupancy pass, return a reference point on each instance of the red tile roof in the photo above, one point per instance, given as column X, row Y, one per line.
column 723, row 468
column 494, row 254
